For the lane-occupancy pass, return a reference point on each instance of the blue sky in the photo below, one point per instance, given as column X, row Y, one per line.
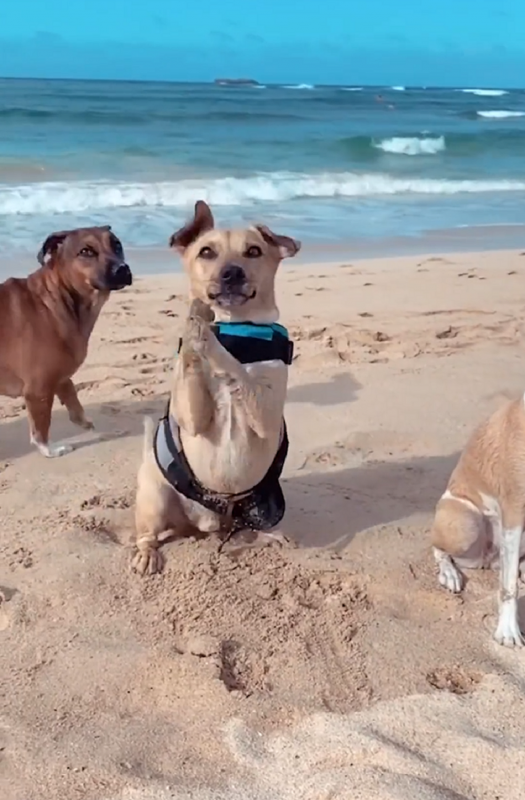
column 444, row 42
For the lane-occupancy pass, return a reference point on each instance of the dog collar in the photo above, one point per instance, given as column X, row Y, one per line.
column 249, row 342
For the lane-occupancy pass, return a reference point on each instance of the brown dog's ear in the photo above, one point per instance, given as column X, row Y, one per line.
column 287, row 246
column 51, row 244
column 202, row 221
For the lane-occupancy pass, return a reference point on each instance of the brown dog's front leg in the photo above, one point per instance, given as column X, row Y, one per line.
column 39, row 405
column 67, row 394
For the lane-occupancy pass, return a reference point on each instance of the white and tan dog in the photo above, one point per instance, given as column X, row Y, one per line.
column 480, row 518
column 216, row 457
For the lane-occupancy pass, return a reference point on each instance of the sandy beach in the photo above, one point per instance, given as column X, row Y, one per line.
column 335, row 669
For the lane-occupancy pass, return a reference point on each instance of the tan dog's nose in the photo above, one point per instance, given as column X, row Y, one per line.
column 233, row 276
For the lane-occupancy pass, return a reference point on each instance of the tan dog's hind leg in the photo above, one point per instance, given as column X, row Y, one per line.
column 67, row 394
column 39, row 406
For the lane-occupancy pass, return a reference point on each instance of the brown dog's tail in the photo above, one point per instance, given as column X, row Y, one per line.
column 149, row 436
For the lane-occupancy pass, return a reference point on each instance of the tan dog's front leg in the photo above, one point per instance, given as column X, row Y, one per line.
column 262, row 409
column 193, row 403
column 153, row 517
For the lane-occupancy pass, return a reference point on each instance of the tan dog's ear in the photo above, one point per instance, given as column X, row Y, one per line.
column 202, row 221
column 287, row 246
column 51, row 245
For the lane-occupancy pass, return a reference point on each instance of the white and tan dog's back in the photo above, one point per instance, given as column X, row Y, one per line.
column 480, row 518
column 221, row 447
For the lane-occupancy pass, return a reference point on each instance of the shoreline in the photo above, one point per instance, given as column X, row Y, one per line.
column 158, row 260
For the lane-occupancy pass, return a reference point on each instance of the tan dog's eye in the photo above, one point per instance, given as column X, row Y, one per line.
column 88, row 252
column 253, row 252
column 207, row 252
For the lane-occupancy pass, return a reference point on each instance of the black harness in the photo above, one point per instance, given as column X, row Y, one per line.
column 261, row 507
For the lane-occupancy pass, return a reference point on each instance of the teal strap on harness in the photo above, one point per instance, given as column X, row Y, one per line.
column 251, row 330
column 250, row 342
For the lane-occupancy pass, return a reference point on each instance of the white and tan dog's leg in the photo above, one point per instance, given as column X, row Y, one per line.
column 459, row 537
column 508, row 631
column 449, row 576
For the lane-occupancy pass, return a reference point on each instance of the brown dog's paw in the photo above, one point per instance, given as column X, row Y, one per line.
column 147, row 562
column 87, row 424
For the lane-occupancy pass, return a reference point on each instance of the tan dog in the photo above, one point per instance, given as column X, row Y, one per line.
column 47, row 318
column 216, row 458
column 480, row 518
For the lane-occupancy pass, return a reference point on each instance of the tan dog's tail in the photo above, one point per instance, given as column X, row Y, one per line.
column 149, row 436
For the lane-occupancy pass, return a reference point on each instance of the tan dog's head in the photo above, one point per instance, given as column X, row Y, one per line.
column 87, row 258
column 233, row 271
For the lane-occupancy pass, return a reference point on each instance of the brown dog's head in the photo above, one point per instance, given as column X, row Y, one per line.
column 233, row 271
column 87, row 256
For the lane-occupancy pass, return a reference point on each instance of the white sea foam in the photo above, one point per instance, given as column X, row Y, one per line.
column 485, row 92
column 500, row 114
column 300, row 86
column 412, row 146
column 398, row 88
column 352, row 88
column 61, row 197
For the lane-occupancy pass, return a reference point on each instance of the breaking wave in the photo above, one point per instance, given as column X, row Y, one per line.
column 412, row 146
column 62, row 197
column 485, row 92
column 500, row 114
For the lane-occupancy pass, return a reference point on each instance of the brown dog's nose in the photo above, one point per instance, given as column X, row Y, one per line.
column 232, row 276
column 119, row 276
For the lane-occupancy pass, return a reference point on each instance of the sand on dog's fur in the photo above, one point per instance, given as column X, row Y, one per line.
column 335, row 669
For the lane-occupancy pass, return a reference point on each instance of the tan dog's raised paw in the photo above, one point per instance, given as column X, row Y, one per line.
column 196, row 331
column 200, row 309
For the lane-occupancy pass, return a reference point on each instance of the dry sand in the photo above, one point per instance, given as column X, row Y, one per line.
column 335, row 670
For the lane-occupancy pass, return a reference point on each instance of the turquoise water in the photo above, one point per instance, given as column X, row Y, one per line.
column 326, row 163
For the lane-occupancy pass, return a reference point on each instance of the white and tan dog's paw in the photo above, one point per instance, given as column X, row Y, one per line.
column 508, row 631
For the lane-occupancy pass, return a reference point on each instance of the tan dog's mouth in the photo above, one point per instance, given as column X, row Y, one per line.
column 231, row 297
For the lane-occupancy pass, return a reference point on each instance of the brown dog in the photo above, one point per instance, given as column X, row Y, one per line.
column 47, row 318
column 216, row 457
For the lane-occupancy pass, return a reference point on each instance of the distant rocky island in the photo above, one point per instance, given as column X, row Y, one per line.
column 236, row 82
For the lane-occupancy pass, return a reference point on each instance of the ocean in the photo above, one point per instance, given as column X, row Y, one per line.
column 326, row 164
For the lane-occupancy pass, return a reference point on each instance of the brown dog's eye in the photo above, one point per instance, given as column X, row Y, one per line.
column 117, row 247
column 207, row 252
column 88, row 252
column 253, row 252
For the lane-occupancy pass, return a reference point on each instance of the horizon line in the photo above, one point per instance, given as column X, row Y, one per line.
column 255, row 82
